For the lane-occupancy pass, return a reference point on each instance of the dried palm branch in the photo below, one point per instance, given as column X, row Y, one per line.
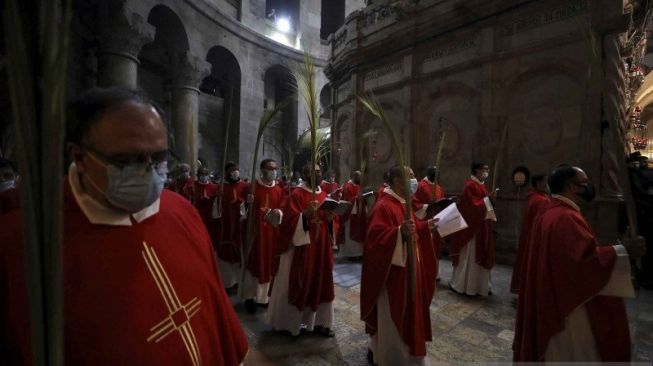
column 495, row 169
column 307, row 90
column 373, row 106
column 37, row 59
column 223, row 163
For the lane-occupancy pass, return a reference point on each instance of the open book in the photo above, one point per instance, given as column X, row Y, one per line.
column 451, row 221
column 337, row 207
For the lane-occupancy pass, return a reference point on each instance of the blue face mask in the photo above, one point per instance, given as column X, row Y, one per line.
column 270, row 175
column 135, row 186
column 413, row 185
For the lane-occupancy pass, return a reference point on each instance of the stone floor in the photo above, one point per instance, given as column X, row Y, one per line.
column 464, row 329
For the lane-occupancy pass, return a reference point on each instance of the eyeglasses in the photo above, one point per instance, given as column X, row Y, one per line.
column 122, row 160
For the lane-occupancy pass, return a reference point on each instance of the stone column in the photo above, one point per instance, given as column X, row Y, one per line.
column 121, row 41
column 188, row 72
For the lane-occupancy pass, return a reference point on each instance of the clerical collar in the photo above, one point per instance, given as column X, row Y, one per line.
column 476, row 179
column 567, row 201
column 99, row 213
column 388, row 190
column 307, row 188
column 260, row 181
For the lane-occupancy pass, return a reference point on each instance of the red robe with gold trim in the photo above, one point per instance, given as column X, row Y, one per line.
column 412, row 319
column 567, row 268
column 311, row 272
column 260, row 261
column 230, row 240
column 536, row 202
column 428, row 193
column 473, row 209
column 146, row 294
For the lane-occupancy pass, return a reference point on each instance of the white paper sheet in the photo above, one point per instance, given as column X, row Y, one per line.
column 490, row 215
column 451, row 221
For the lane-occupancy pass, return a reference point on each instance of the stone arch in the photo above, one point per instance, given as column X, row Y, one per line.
column 220, row 100
column 281, row 137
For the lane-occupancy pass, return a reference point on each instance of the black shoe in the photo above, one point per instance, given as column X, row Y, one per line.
column 250, row 306
column 370, row 357
column 324, row 331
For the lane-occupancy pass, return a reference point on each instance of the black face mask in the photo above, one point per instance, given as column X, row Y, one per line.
column 588, row 193
column 431, row 177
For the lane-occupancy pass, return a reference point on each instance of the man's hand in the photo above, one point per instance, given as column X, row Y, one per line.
column 636, row 247
column 309, row 212
column 407, row 227
column 494, row 193
column 433, row 224
column 337, row 195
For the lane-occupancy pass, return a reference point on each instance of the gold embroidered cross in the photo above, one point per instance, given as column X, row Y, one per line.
column 179, row 315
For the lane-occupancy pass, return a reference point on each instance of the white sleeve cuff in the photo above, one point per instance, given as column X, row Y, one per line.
column 280, row 215
column 300, row 237
column 399, row 254
column 421, row 213
column 620, row 283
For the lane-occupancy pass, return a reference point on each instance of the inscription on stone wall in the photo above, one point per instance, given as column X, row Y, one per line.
column 385, row 70
column 451, row 49
column 568, row 10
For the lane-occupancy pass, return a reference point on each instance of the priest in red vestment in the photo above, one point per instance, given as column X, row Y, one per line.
column 302, row 293
column 428, row 192
column 355, row 219
column 332, row 189
column 140, row 283
column 472, row 249
column 398, row 326
column 267, row 201
column 232, row 194
column 329, row 184
column 536, row 201
column 204, row 199
column 182, row 183
column 570, row 306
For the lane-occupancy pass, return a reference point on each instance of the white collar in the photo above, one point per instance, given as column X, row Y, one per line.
column 99, row 213
column 260, row 181
column 476, row 179
column 428, row 181
column 567, row 201
column 305, row 187
column 388, row 190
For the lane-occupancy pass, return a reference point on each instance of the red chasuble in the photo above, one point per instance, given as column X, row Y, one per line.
column 472, row 207
column 428, row 193
column 230, row 240
column 203, row 199
column 311, row 272
column 358, row 221
column 567, row 268
column 412, row 319
column 260, row 261
column 182, row 187
column 536, row 202
column 146, row 294
column 329, row 187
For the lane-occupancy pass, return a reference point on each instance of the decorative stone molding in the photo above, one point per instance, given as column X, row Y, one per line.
column 564, row 11
column 188, row 71
column 121, row 33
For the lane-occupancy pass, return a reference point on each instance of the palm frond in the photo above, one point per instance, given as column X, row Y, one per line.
column 307, row 90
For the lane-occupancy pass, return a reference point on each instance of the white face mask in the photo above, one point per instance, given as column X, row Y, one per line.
column 203, row 178
column 7, row 185
column 484, row 175
column 234, row 175
column 413, row 185
column 270, row 175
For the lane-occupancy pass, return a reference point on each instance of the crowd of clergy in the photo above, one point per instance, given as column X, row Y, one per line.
column 149, row 261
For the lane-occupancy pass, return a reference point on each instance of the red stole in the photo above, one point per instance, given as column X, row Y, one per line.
column 472, row 207
column 146, row 294
column 311, row 272
column 260, row 261
column 233, row 196
column 567, row 268
column 412, row 318
column 536, row 202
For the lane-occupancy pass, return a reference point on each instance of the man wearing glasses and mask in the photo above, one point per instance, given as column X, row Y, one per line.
column 140, row 283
